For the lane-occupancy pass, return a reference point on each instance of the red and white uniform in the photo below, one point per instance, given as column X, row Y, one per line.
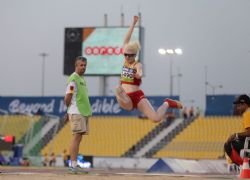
column 128, row 74
column 128, row 77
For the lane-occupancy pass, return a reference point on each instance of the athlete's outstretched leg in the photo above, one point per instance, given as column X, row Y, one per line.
column 146, row 108
column 173, row 103
column 123, row 99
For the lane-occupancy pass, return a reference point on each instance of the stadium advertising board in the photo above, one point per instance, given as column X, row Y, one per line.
column 102, row 46
column 101, row 105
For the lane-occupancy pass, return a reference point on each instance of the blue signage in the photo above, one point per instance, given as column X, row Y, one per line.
column 220, row 105
column 54, row 105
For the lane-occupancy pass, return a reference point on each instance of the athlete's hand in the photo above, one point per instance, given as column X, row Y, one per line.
column 137, row 76
column 66, row 118
column 136, row 18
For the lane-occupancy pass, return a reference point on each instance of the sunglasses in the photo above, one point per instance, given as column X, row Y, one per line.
column 129, row 55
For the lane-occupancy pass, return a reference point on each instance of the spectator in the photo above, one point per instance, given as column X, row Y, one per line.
column 170, row 116
column 198, row 111
column 65, row 158
column 52, row 160
column 236, row 141
column 45, row 160
column 185, row 113
column 191, row 112
column 25, row 161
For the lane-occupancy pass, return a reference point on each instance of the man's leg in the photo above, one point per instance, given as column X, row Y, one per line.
column 74, row 148
column 233, row 150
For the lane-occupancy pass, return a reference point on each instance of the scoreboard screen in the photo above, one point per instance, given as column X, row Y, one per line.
column 102, row 46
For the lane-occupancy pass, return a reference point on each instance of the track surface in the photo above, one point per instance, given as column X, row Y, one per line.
column 42, row 173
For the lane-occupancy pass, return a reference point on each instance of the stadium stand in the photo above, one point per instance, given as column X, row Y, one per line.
column 45, row 138
column 16, row 125
column 172, row 131
column 109, row 136
column 141, row 143
column 204, row 138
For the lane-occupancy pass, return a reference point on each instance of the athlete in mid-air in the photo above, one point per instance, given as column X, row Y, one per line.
column 128, row 93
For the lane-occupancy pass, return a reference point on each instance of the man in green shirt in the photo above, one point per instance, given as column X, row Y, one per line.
column 79, row 108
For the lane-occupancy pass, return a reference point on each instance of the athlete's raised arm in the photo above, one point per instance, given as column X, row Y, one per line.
column 130, row 31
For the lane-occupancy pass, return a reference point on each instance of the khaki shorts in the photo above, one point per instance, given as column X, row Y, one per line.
column 79, row 123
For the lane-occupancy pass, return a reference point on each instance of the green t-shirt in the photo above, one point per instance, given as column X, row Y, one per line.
column 82, row 98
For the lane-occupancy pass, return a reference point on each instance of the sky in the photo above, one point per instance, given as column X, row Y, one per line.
column 212, row 33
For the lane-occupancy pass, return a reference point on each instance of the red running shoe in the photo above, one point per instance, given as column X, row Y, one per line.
column 173, row 103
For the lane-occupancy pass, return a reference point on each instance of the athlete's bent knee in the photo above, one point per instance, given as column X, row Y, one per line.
column 155, row 119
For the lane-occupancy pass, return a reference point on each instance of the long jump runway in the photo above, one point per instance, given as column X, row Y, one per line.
column 59, row 173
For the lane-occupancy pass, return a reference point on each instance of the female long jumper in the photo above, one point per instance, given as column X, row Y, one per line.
column 128, row 93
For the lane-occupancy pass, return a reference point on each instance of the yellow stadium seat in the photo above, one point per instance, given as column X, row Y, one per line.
column 16, row 125
column 202, row 139
column 108, row 136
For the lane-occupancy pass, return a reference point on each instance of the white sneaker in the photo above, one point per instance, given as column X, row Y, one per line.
column 77, row 169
